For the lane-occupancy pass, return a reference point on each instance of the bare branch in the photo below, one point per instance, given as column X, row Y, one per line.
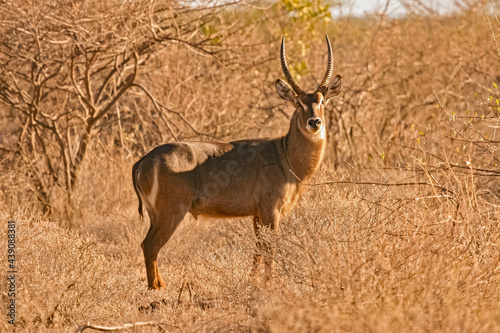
column 83, row 327
column 332, row 182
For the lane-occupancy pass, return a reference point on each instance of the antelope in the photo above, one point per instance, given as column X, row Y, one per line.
column 261, row 178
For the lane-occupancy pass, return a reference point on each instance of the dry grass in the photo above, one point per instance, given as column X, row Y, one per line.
column 350, row 257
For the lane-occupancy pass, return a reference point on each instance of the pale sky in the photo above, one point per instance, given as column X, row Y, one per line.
column 361, row 7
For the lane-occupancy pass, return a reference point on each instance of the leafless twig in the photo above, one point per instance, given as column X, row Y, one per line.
column 83, row 327
column 332, row 182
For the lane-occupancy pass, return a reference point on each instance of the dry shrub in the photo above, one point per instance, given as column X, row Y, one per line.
column 387, row 260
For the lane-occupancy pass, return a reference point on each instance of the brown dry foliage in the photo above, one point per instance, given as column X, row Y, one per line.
column 420, row 105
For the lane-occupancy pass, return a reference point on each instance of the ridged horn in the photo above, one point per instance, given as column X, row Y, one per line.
column 286, row 71
column 329, row 70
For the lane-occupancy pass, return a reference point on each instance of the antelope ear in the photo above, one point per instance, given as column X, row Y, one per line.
column 286, row 92
column 333, row 88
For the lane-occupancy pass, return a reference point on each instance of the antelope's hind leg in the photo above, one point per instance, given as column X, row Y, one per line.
column 164, row 221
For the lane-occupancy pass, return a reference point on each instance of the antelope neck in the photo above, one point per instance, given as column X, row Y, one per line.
column 303, row 155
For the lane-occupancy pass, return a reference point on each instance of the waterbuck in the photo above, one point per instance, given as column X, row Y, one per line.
column 259, row 178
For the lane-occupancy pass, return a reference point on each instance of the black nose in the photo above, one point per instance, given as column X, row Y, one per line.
column 314, row 122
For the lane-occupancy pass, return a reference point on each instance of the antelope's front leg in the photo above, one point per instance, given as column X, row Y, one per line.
column 269, row 218
column 257, row 257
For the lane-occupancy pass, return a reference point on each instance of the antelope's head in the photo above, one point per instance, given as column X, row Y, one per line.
column 310, row 110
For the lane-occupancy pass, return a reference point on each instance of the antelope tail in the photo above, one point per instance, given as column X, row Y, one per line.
column 135, row 168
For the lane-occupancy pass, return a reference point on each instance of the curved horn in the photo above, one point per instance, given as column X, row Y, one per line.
column 329, row 70
column 286, row 71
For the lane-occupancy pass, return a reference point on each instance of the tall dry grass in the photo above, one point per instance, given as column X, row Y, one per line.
column 355, row 258
column 357, row 254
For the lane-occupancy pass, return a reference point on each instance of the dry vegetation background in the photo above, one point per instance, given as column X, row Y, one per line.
column 398, row 232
